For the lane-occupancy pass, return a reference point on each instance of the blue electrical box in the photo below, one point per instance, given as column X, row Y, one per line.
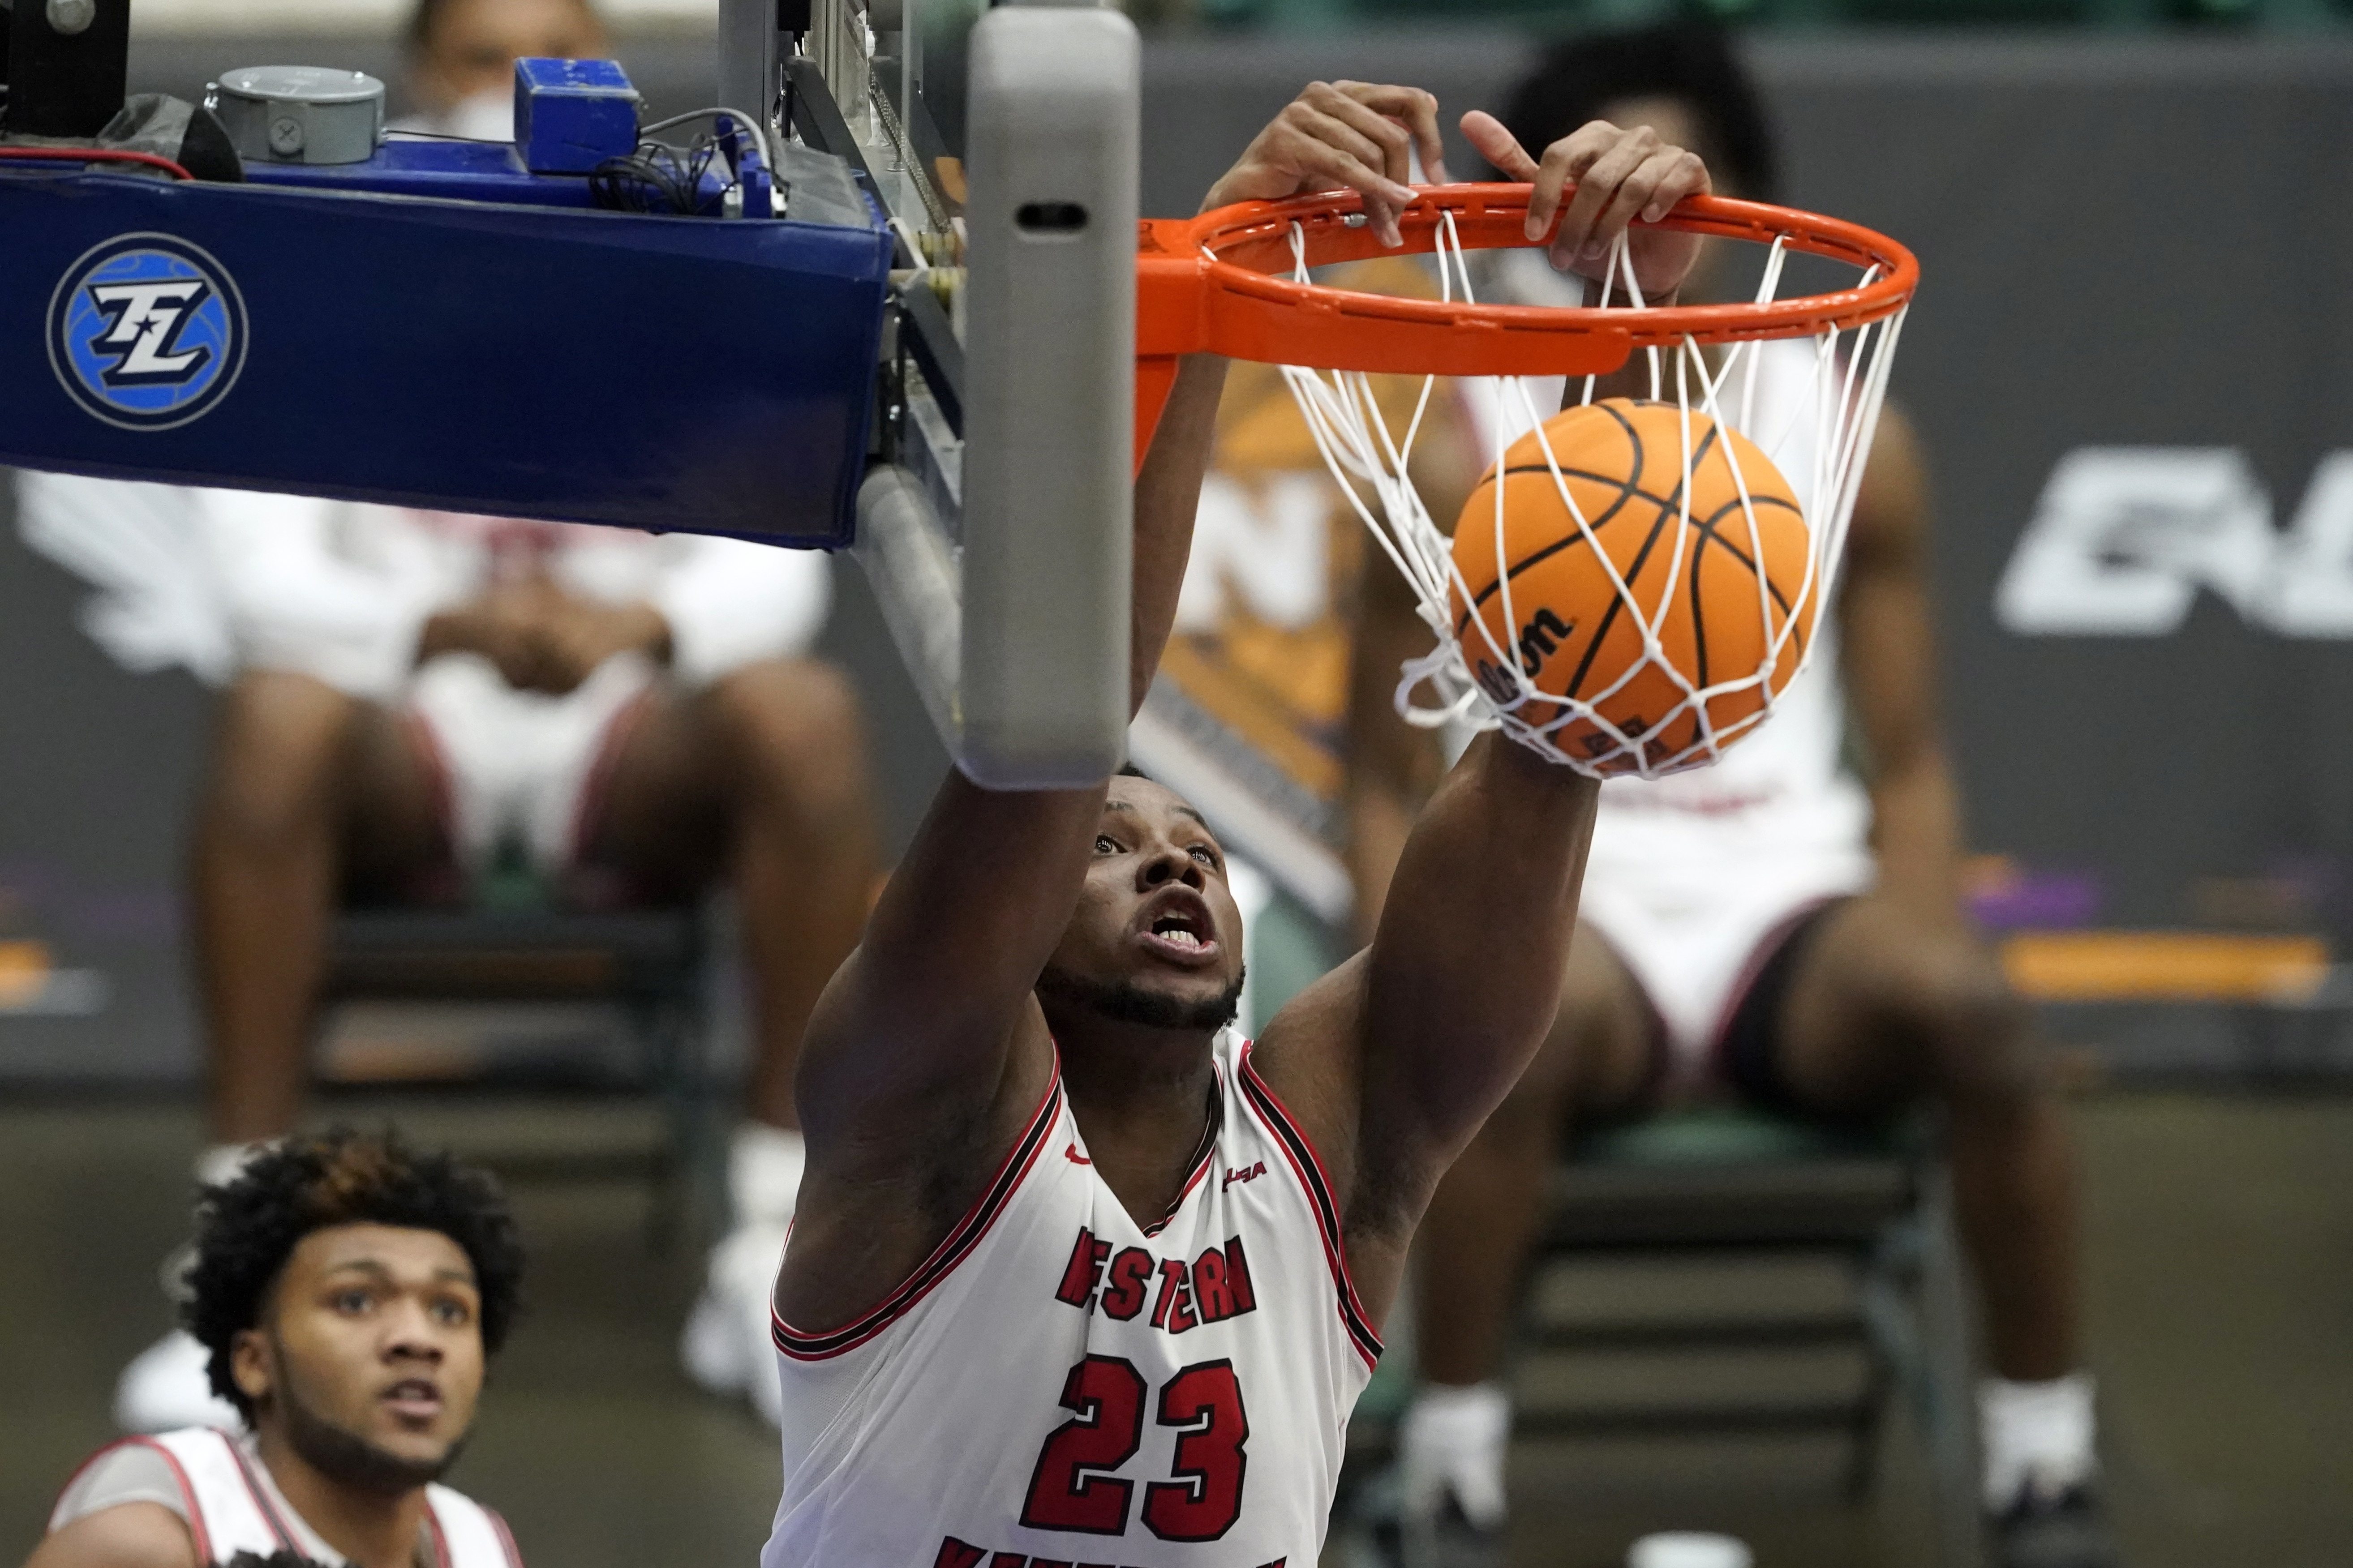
column 572, row 115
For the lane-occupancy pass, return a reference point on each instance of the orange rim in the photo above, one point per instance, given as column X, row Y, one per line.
column 1210, row 285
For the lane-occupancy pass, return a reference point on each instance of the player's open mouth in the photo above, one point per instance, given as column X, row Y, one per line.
column 413, row 1399
column 1182, row 929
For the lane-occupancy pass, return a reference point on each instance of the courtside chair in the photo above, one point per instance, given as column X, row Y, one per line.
column 1874, row 1309
column 1699, row 1274
column 515, row 944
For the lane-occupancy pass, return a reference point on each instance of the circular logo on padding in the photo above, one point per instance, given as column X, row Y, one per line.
column 147, row 331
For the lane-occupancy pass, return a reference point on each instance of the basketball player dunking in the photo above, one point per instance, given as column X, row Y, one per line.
column 1076, row 1277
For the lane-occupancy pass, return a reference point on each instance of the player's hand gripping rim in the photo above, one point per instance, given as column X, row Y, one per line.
column 1620, row 174
column 1351, row 135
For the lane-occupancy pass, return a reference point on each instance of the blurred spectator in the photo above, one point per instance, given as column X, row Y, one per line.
column 417, row 701
column 347, row 1295
column 1773, row 930
column 462, row 54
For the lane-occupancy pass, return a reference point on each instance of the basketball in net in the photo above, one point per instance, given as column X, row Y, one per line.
column 1635, row 583
column 1647, row 563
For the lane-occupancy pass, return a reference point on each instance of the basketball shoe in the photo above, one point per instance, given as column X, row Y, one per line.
column 168, row 1386
column 2069, row 1530
column 725, row 1346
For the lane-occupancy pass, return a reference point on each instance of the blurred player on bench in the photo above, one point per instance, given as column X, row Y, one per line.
column 420, row 694
column 1769, row 929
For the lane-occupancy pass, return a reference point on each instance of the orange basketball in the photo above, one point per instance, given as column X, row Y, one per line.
column 1574, row 635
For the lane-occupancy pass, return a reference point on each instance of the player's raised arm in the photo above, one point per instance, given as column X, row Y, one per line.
column 1465, row 974
column 929, row 1049
column 922, row 1021
column 1394, row 1058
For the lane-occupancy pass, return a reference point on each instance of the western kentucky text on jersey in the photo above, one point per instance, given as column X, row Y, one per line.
column 954, row 1553
column 1212, row 1287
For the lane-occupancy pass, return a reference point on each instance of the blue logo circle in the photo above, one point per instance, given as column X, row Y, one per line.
column 146, row 331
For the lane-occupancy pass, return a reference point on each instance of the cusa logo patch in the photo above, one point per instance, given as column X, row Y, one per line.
column 146, row 331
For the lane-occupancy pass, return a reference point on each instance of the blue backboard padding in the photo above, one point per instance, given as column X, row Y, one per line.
column 685, row 373
column 461, row 171
column 457, row 171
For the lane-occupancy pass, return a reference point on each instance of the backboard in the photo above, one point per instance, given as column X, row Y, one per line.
column 993, row 523
column 946, row 386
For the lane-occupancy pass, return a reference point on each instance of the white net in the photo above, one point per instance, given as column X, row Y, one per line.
column 1768, row 504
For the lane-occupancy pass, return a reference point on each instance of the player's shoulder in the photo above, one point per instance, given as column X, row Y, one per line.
column 1304, row 1065
column 137, row 1533
column 476, row 1535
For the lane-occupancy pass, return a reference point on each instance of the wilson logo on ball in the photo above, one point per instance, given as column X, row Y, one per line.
column 1647, row 591
column 146, row 331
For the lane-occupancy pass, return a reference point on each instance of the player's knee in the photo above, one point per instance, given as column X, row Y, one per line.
column 281, row 742
column 1597, row 1058
column 797, row 725
column 1971, row 1026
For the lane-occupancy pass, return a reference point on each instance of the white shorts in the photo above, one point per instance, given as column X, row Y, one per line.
column 521, row 767
column 1694, row 936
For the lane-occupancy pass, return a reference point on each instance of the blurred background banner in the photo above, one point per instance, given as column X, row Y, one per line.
column 2131, row 370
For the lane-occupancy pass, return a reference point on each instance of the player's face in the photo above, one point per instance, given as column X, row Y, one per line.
column 370, row 1362
column 1157, row 923
column 474, row 43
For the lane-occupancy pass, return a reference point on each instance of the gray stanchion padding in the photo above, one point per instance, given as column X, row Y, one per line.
column 1051, row 308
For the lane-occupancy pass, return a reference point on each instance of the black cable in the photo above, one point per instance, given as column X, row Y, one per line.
column 656, row 178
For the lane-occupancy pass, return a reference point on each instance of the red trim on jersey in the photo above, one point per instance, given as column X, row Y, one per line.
column 953, row 1249
column 506, row 1536
column 433, row 1533
column 590, row 804
column 1204, row 1164
column 1309, row 1169
column 436, row 758
column 194, row 1518
column 260, row 1496
column 1753, row 967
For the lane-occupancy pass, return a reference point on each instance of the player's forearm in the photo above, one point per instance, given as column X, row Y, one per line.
column 927, row 1006
column 1380, row 820
column 1916, row 831
column 1465, row 971
column 1167, row 495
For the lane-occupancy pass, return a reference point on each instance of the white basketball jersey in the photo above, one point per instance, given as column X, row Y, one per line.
column 232, row 1506
column 1060, row 1384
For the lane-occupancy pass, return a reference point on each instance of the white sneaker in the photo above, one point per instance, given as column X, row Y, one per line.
column 166, row 1387
column 725, row 1346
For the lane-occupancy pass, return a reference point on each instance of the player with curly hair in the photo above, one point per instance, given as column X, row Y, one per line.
column 348, row 1292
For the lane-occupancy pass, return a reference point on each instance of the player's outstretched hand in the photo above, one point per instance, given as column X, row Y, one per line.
column 1350, row 135
column 1620, row 174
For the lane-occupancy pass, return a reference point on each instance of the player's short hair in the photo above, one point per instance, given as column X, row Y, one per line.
column 246, row 1228
column 1692, row 62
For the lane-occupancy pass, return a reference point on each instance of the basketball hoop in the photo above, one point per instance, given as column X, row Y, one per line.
column 1237, row 281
